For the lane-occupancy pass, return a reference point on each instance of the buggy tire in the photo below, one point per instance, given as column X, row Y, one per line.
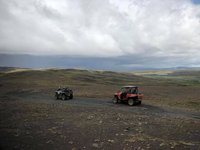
column 71, row 96
column 139, row 103
column 131, row 102
column 56, row 96
column 115, row 100
column 63, row 97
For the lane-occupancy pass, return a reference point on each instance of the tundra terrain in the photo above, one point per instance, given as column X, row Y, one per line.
column 31, row 118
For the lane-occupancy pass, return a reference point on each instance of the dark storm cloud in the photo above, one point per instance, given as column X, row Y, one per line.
column 129, row 33
column 123, row 63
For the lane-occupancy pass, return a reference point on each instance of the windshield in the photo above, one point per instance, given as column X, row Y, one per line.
column 129, row 89
column 125, row 89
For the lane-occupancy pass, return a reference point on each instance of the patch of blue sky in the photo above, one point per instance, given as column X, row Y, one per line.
column 196, row 1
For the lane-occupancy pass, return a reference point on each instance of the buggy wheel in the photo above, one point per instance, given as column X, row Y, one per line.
column 71, row 96
column 63, row 97
column 131, row 102
column 56, row 96
column 115, row 100
column 139, row 103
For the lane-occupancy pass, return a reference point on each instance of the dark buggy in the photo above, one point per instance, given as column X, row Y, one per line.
column 64, row 93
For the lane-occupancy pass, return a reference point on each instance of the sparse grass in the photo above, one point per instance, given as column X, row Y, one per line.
column 183, row 77
column 152, row 72
column 177, row 89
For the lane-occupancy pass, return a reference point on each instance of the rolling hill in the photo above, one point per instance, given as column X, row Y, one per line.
column 169, row 89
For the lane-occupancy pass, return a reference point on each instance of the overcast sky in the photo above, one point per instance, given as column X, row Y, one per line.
column 129, row 33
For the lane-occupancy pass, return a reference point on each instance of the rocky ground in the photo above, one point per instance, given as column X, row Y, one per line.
column 38, row 121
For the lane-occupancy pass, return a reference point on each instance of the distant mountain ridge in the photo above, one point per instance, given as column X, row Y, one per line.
column 123, row 63
column 5, row 69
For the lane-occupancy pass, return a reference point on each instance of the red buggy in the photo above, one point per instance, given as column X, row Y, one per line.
column 128, row 94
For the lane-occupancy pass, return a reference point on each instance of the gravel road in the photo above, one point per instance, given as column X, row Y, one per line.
column 38, row 121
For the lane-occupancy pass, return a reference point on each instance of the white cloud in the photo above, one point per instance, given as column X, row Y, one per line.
column 101, row 28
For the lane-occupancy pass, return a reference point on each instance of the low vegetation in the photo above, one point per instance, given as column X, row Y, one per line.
column 177, row 89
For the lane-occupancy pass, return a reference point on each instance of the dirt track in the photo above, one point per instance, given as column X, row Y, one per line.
column 35, row 121
column 146, row 107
